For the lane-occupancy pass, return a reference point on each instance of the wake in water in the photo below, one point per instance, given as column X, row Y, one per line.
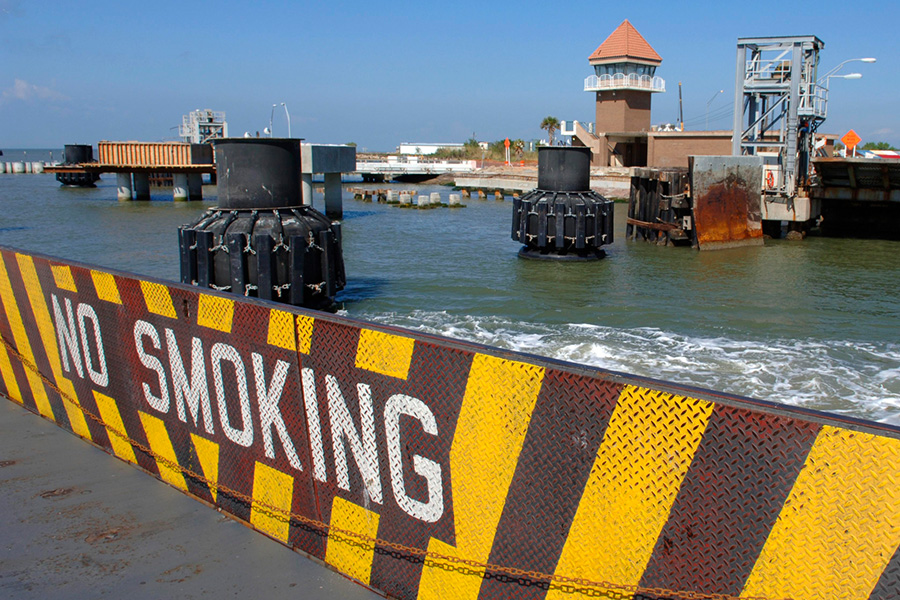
column 855, row 379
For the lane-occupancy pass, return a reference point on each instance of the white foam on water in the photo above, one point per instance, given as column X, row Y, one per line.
column 858, row 379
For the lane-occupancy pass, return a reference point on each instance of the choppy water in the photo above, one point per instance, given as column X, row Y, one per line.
column 815, row 323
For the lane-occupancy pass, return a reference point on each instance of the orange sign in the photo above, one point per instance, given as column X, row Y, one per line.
column 851, row 139
column 506, row 143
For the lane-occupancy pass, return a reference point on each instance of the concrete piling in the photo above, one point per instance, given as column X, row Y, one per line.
column 195, row 186
column 405, row 198
column 334, row 208
column 180, row 187
column 455, row 200
column 306, row 188
column 141, row 186
column 123, row 187
column 424, row 201
column 435, row 198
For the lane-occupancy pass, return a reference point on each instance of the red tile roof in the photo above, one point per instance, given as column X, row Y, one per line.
column 625, row 42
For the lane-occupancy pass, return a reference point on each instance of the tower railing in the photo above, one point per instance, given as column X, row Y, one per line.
column 621, row 81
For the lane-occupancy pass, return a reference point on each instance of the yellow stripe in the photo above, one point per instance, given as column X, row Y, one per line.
column 275, row 491
column 23, row 344
column 106, row 287
column 161, row 444
column 353, row 559
column 9, row 376
column 384, row 353
column 62, row 275
column 208, row 455
column 158, row 299
column 48, row 337
column 494, row 417
column 215, row 313
column 304, row 333
column 840, row 524
column 112, row 419
column 645, row 454
column 281, row 330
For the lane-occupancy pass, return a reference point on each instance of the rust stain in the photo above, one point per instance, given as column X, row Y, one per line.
column 726, row 213
column 56, row 493
column 6, row 463
column 103, row 536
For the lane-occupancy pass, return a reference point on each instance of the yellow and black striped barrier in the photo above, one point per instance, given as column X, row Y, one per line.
column 430, row 468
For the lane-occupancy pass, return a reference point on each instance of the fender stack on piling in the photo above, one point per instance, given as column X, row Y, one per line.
column 261, row 240
column 78, row 154
column 563, row 219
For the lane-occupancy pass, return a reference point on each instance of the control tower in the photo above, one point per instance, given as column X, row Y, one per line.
column 624, row 80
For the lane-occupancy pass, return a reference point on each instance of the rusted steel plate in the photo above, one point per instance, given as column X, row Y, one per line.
column 726, row 194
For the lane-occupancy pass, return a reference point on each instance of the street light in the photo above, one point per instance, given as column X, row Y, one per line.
column 714, row 96
column 271, row 116
column 847, row 76
column 288, row 118
column 837, row 68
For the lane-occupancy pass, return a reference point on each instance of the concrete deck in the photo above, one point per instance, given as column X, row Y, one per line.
column 76, row 522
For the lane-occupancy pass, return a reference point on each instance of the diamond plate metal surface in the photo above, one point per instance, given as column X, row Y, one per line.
column 431, row 468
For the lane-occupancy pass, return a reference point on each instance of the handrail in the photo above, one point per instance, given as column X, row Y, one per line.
column 621, row 80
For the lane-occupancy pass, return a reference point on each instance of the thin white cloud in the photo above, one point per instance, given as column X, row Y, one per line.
column 884, row 131
column 26, row 92
column 10, row 8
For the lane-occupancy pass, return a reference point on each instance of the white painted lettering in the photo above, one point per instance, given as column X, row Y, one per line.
column 141, row 329
column 313, row 424
column 223, row 352
column 86, row 313
column 67, row 336
column 268, row 398
column 364, row 451
column 401, row 404
column 195, row 393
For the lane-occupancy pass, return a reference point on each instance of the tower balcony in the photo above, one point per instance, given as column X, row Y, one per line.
column 621, row 81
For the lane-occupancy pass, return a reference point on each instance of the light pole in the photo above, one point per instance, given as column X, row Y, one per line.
column 824, row 78
column 828, row 78
column 714, row 96
column 271, row 116
column 288, row 118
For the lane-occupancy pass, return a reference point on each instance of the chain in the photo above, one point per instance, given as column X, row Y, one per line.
column 486, row 571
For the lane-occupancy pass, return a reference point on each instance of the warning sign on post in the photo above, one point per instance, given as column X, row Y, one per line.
column 851, row 139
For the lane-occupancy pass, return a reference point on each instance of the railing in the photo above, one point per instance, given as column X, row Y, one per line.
column 619, row 81
column 570, row 127
column 813, row 100
column 414, row 164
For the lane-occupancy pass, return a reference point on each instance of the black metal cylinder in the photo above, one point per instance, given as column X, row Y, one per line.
column 258, row 173
column 260, row 241
column 564, row 169
column 563, row 219
column 78, row 153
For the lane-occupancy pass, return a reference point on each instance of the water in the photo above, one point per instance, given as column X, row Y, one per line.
column 811, row 323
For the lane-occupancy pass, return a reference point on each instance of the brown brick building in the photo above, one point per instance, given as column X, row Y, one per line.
column 624, row 82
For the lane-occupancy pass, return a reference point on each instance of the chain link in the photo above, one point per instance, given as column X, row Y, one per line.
column 503, row 574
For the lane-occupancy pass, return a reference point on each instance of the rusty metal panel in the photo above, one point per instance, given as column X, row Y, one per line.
column 726, row 192
column 145, row 154
column 430, row 468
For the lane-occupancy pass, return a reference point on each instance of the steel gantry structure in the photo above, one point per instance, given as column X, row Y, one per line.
column 778, row 105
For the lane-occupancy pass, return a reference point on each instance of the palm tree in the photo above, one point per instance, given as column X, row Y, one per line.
column 551, row 124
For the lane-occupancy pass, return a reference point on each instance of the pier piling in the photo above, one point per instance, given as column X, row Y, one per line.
column 141, row 186
column 123, row 187
column 180, row 187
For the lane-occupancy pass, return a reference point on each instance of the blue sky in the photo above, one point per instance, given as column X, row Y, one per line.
column 386, row 72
